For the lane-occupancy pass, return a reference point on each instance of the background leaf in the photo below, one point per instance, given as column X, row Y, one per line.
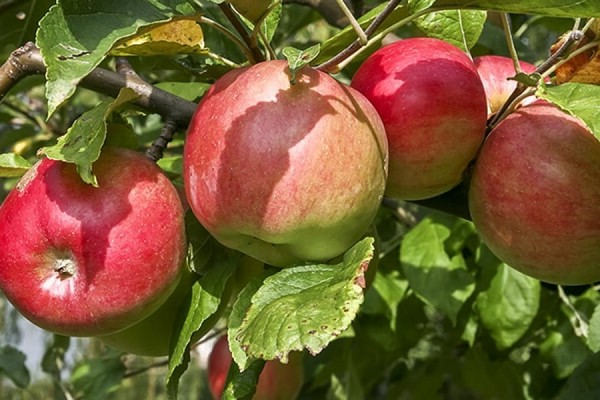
column 438, row 279
column 509, row 304
column 12, row 365
column 12, row 165
column 462, row 28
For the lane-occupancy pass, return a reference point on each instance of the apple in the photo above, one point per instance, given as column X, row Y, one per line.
column 152, row 335
column 495, row 72
column 253, row 10
column 535, row 192
column 434, row 109
column 283, row 172
column 277, row 381
column 80, row 260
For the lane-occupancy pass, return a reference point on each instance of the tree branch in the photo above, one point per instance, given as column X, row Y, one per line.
column 27, row 60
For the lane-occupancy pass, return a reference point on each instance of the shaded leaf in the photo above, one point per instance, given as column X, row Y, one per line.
column 594, row 331
column 13, row 165
column 509, row 304
column 98, row 378
column 12, row 365
column 584, row 383
column 438, row 279
column 207, row 295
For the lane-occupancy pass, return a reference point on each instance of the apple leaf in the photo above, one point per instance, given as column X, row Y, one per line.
column 509, row 304
column 206, row 298
column 594, row 331
column 13, row 165
column 578, row 99
column 12, row 366
column 82, row 143
column 297, row 59
column 74, row 37
column 98, row 378
column 584, row 383
column 388, row 290
column 438, row 279
column 461, row 28
column 554, row 8
column 242, row 385
column 177, row 36
column 298, row 307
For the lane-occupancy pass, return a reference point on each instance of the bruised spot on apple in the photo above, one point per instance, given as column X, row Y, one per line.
column 282, row 172
column 277, row 381
column 434, row 109
column 82, row 261
column 535, row 194
column 495, row 73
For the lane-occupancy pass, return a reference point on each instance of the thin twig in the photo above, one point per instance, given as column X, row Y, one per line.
column 332, row 64
column 362, row 36
column 157, row 149
column 255, row 55
column 512, row 50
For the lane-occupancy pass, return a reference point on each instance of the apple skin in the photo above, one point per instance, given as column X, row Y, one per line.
column 277, row 381
column 434, row 109
column 251, row 9
column 535, row 192
column 83, row 261
column 285, row 173
column 495, row 72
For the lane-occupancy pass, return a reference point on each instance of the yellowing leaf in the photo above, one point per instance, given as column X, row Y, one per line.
column 177, row 36
column 583, row 68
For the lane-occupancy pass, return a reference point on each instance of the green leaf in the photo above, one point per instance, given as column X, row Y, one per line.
column 206, row 298
column 509, row 304
column 388, row 290
column 82, row 143
column 584, row 383
column 438, row 279
column 300, row 307
column 556, row 8
column 578, row 99
column 12, row 365
column 74, row 37
column 98, row 378
column 594, row 330
column 54, row 357
column 298, row 59
column 242, row 385
column 461, row 28
column 12, row 165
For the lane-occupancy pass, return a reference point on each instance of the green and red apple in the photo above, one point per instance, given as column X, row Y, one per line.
column 535, row 194
column 434, row 109
column 283, row 172
column 80, row 260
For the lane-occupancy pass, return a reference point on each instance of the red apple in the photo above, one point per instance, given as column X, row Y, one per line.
column 285, row 172
column 495, row 72
column 535, row 195
column 433, row 106
column 152, row 335
column 82, row 261
column 277, row 381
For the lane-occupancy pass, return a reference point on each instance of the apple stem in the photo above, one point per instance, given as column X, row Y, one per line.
column 332, row 64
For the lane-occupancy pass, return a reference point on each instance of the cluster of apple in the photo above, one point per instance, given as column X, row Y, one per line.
column 289, row 172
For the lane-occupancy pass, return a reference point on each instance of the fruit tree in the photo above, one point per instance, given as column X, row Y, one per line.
column 311, row 199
